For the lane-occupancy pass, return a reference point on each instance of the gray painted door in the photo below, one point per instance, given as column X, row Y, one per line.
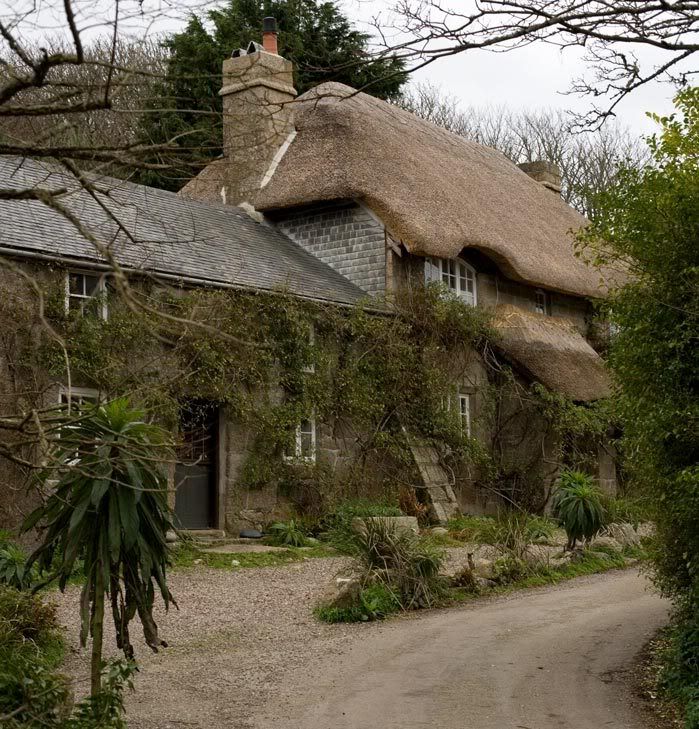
column 195, row 472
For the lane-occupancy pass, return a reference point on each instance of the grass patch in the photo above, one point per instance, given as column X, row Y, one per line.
column 494, row 530
column 186, row 555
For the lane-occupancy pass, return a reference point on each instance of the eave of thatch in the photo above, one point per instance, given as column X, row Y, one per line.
column 552, row 352
column 436, row 192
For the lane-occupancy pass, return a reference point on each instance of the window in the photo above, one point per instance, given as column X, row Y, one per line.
column 310, row 367
column 455, row 274
column 542, row 303
column 85, row 292
column 304, row 442
column 77, row 396
column 465, row 413
column 461, row 400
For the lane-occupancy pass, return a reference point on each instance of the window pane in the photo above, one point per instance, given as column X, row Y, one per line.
column 91, row 285
column 306, row 445
column 76, row 284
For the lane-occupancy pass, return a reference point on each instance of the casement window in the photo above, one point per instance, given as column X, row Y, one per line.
column 456, row 275
column 465, row 413
column 310, row 367
column 542, row 302
column 461, row 402
column 304, row 446
column 86, row 293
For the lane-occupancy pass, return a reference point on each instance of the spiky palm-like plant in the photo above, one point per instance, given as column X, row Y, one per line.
column 577, row 504
column 109, row 508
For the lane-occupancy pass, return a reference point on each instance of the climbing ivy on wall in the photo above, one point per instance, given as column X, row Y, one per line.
column 370, row 370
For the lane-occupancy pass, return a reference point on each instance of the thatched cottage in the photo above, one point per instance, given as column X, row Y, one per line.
column 338, row 198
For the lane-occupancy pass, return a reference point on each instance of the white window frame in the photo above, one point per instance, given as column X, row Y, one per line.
column 310, row 367
column 465, row 412
column 100, row 291
column 458, row 400
column 542, row 302
column 77, row 395
column 298, row 455
column 448, row 271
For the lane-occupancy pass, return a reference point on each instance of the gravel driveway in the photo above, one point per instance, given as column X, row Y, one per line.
column 246, row 653
column 234, row 637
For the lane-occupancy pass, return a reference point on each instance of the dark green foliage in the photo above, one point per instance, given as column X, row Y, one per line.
column 406, row 563
column 650, row 222
column 337, row 526
column 107, row 708
column 31, row 646
column 679, row 678
column 13, row 567
column 315, row 36
column 502, row 528
column 374, row 602
column 110, row 508
column 287, row 533
column 577, row 504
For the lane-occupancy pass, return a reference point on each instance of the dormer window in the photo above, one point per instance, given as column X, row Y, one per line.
column 455, row 274
column 542, row 303
column 85, row 293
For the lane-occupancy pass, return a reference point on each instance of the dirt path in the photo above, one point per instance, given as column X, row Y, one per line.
column 246, row 653
column 533, row 661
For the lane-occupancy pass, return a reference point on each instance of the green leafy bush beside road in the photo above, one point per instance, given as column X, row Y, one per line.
column 649, row 224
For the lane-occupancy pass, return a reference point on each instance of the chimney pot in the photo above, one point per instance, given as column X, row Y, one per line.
column 544, row 172
column 269, row 35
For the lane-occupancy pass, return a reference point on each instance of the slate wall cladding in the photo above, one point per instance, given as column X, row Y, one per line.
column 344, row 236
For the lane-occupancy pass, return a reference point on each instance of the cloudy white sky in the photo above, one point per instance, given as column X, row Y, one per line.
column 534, row 77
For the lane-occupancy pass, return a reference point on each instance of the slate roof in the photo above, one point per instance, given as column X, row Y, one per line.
column 211, row 244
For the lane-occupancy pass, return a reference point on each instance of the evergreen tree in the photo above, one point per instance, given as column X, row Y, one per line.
column 186, row 109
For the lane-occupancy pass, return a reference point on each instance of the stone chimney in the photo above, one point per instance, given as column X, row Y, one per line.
column 547, row 173
column 258, row 91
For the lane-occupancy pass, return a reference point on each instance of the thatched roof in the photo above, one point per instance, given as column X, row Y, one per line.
column 553, row 353
column 436, row 191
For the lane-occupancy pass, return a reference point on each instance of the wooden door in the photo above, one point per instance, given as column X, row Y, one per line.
column 195, row 472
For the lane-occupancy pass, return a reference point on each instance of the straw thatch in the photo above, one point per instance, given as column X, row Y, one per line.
column 552, row 352
column 435, row 191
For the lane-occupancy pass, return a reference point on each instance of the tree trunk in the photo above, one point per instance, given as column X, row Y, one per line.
column 97, row 631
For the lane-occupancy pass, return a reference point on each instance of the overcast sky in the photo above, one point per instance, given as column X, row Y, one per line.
column 534, row 77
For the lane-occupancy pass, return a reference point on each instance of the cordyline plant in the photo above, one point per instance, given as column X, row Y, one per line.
column 577, row 504
column 108, row 508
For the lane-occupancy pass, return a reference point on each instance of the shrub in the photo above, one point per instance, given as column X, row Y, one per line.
column 287, row 533
column 373, row 603
column 509, row 568
column 30, row 648
column 502, row 528
column 338, row 526
column 577, row 503
column 406, row 563
column 13, row 567
column 620, row 510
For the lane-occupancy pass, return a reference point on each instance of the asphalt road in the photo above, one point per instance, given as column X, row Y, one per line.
column 538, row 660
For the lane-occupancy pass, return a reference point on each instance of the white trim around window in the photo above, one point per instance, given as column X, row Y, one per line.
column 462, row 404
column 81, row 288
column 311, row 367
column 465, row 413
column 77, row 395
column 457, row 275
column 304, row 442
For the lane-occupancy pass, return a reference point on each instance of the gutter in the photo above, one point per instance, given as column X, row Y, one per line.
column 193, row 280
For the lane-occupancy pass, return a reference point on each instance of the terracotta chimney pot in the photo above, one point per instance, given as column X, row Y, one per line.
column 269, row 35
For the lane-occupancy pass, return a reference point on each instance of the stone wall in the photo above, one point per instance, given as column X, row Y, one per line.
column 345, row 236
